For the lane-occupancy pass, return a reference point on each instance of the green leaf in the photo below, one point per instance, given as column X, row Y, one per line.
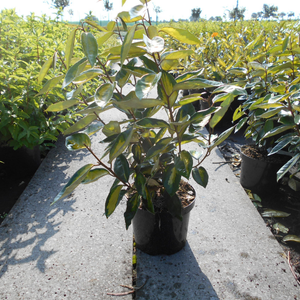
column 171, row 179
column 152, row 123
column 131, row 209
column 87, row 75
column 146, row 84
column 111, row 26
column 111, row 128
column 154, row 45
column 281, row 145
column 70, row 48
column 74, row 71
column 200, row 115
column 200, row 175
column 233, row 89
column 120, row 144
column 104, row 36
column 136, row 103
column 140, row 184
column 94, row 24
column 46, row 66
column 181, row 35
column 90, row 47
column 256, row 65
column 158, row 148
column 277, row 130
column 285, row 43
column 180, row 54
column 271, row 213
column 113, row 199
column 190, row 99
column 188, row 75
column 81, row 124
column 184, row 164
column 137, row 71
column 291, row 238
column 94, row 175
column 222, row 137
column 121, row 168
column 75, row 180
column 127, row 43
column 50, row 84
column 166, row 92
column 196, row 83
column 59, row 106
column 103, row 94
column 285, row 168
column 77, row 141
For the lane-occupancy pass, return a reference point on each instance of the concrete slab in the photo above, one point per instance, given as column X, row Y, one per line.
column 69, row 250
column 230, row 253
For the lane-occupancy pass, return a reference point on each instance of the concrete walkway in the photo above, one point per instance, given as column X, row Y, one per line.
column 70, row 250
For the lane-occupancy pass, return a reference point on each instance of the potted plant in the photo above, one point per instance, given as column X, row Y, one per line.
column 145, row 153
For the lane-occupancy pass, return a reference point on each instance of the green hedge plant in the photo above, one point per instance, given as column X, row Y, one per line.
column 145, row 152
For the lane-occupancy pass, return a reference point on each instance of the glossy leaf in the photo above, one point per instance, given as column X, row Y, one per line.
column 146, row 84
column 120, row 144
column 94, row 175
column 121, row 168
column 286, row 167
column 158, row 148
column 104, row 37
column 154, row 45
column 50, row 84
column 87, row 75
column 113, row 199
column 277, row 130
column 74, row 71
column 200, row 175
column 59, row 106
column 181, row 35
column 90, row 47
column 131, row 209
column 196, row 83
column 94, row 24
column 190, row 99
column 111, row 128
column 45, row 68
column 291, row 238
column 81, row 124
column 184, row 164
column 75, row 180
column 127, row 44
column 171, row 179
column 103, row 94
column 271, row 213
column 140, row 184
column 152, row 123
column 77, row 141
column 281, row 145
column 70, row 48
column 222, row 137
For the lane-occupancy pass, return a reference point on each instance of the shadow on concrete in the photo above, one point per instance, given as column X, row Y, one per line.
column 177, row 276
column 32, row 221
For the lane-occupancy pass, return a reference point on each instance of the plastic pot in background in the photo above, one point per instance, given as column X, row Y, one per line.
column 258, row 175
column 160, row 233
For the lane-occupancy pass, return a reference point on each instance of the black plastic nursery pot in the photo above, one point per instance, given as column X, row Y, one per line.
column 258, row 175
column 161, row 233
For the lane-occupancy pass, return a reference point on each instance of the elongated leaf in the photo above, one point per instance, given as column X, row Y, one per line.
column 81, row 124
column 75, row 180
column 94, row 24
column 274, row 213
column 94, row 175
column 137, row 104
column 127, row 44
column 233, row 89
column 196, row 83
column 103, row 94
column 181, row 35
column 111, row 25
column 74, row 71
column 120, row 144
column 131, row 209
column 140, row 184
column 277, row 130
column 285, row 43
column 188, row 75
column 291, row 238
column 137, row 11
column 190, row 99
column 200, row 175
column 184, row 164
column 90, row 47
column 77, row 141
column 121, row 168
column 180, row 54
column 104, row 37
column 87, row 75
column 50, row 84
column 146, row 84
column 45, row 68
column 200, row 115
column 158, row 148
column 152, row 123
column 113, row 199
column 70, row 47
column 285, row 168
column 171, row 179
column 222, row 137
column 59, row 106
column 281, row 145
column 137, row 71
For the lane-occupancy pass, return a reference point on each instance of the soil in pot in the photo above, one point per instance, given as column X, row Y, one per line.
column 161, row 233
column 259, row 171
